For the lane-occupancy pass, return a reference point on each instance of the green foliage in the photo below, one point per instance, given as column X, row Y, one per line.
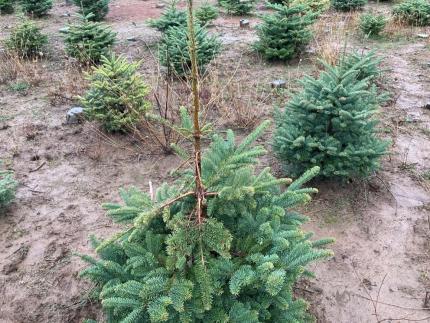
column 371, row 25
column 21, row 87
column 7, row 6
column 117, row 94
column 99, row 8
column 331, row 123
column 348, row 5
column 317, row 6
column 206, row 13
column 367, row 65
column 239, row 264
column 283, row 33
column 88, row 41
column 171, row 17
column 26, row 40
column 36, row 8
column 173, row 51
column 413, row 12
column 238, row 7
column 8, row 187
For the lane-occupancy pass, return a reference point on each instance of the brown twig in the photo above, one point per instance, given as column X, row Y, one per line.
column 38, row 167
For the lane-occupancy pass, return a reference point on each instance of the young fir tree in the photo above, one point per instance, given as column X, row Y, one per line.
column 283, row 33
column 220, row 245
column 6, row 6
column 174, row 53
column 348, row 5
column 8, row 187
column 88, row 41
column 171, row 17
column 26, row 40
column 238, row 7
column 117, row 96
column 99, row 8
column 36, row 8
column 331, row 124
column 206, row 13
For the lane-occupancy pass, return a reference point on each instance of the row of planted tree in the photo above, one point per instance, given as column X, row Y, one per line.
column 221, row 243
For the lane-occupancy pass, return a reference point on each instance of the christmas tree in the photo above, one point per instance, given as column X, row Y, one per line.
column 238, row 7
column 117, row 96
column 99, row 8
column 171, row 17
column 331, row 124
column 36, row 8
column 88, row 41
column 6, row 6
column 283, row 33
column 220, row 245
column 174, row 54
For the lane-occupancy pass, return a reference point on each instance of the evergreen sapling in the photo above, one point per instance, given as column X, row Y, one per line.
column 174, row 54
column 282, row 34
column 117, row 96
column 99, row 8
column 331, row 124
column 36, row 8
column 219, row 245
column 171, row 17
column 6, row 6
column 238, row 7
column 88, row 41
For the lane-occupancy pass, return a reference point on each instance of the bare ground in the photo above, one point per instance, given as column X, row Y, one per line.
column 65, row 172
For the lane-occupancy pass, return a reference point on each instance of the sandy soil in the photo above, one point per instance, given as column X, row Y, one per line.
column 65, row 172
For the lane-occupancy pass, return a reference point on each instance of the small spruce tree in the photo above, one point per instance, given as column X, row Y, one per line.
column 88, row 41
column 217, row 246
column 117, row 95
column 26, row 40
column 348, row 5
column 7, row 6
column 99, row 8
column 36, row 8
column 174, row 54
column 317, row 6
column 331, row 124
column 413, row 12
column 371, row 25
column 171, row 17
column 206, row 13
column 238, row 7
column 8, row 187
column 283, row 33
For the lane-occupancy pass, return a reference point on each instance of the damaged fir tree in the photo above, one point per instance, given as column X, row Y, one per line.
column 220, row 245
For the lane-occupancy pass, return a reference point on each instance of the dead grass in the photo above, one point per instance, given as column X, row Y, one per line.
column 12, row 68
column 67, row 85
column 332, row 35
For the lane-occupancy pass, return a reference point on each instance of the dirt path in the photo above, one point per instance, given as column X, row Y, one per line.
column 383, row 251
column 66, row 172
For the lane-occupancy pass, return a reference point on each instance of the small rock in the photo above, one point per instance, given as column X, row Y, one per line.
column 160, row 5
column 279, row 84
column 132, row 38
column 423, row 35
column 244, row 23
column 67, row 14
column 75, row 115
column 64, row 30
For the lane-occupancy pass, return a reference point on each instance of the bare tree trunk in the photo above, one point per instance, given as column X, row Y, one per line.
column 196, row 109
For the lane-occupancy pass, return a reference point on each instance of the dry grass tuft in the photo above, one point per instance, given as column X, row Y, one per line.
column 331, row 35
column 12, row 68
column 67, row 84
